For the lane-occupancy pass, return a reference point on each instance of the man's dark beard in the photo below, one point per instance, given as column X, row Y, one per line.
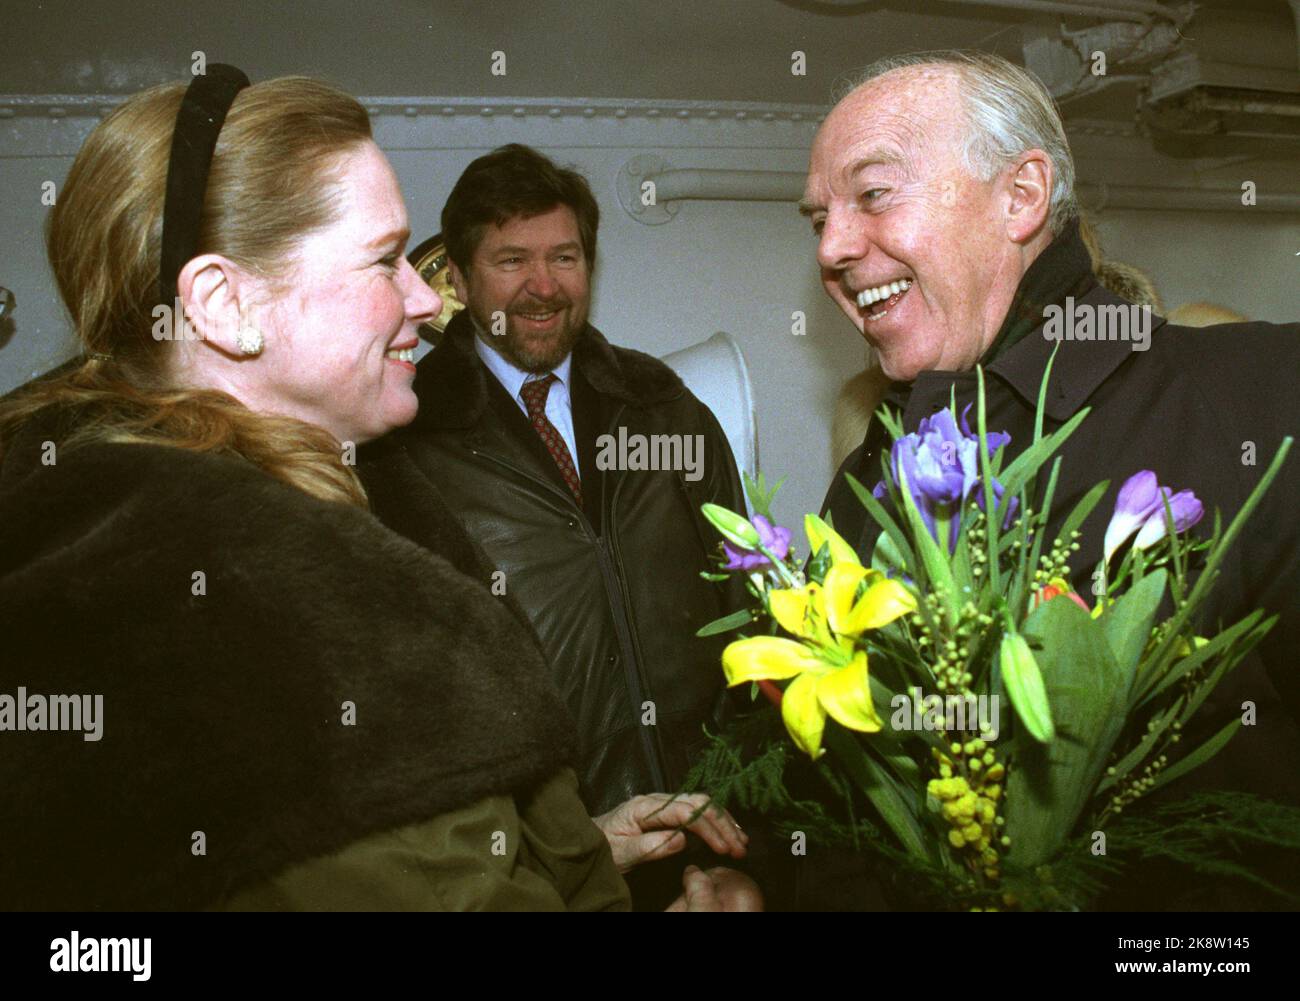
column 508, row 345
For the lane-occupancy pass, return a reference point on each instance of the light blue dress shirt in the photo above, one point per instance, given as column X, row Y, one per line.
column 559, row 402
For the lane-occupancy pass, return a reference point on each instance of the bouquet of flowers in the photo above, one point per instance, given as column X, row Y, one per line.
column 972, row 719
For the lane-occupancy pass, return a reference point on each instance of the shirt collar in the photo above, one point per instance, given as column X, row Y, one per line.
column 510, row 375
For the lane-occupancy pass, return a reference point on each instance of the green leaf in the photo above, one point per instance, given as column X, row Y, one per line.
column 882, row 518
column 992, row 523
column 1150, row 685
column 1049, row 785
column 886, row 555
column 1127, row 623
column 1020, row 594
column 819, row 564
column 1160, row 722
column 760, row 497
column 960, row 561
column 880, row 787
column 1024, row 684
column 893, row 423
column 933, row 558
column 1216, row 554
column 1198, row 757
column 1229, row 659
column 905, row 768
column 727, row 623
column 1083, row 509
column 1040, row 408
column 1028, row 462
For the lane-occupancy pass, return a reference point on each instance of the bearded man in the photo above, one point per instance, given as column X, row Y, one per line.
column 580, row 468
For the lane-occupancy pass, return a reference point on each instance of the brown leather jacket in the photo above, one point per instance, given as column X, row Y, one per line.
column 613, row 589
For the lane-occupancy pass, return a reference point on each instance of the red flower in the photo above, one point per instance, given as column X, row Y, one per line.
column 1054, row 589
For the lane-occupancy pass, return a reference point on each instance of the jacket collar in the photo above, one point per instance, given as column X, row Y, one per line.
column 1064, row 268
column 1080, row 367
column 1060, row 276
column 451, row 379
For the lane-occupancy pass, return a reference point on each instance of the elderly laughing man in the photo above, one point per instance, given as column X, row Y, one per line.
column 941, row 193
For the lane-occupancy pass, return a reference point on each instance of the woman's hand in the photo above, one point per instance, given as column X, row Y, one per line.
column 651, row 827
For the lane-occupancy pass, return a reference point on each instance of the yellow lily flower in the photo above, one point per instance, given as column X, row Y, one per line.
column 819, row 532
column 818, row 689
column 883, row 600
column 829, row 675
column 801, row 611
column 806, row 612
column 832, row 613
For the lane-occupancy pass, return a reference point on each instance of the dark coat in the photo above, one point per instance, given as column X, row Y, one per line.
column 1195, row 408
column 223, row 697
column 612, row 589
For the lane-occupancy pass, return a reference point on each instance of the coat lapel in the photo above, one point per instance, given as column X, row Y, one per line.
column 458, row 393
column 591, row 418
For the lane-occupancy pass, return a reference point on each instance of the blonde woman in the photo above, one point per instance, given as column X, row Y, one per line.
column 224, row 684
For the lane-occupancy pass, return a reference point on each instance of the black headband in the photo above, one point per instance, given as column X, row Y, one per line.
column 198, row 123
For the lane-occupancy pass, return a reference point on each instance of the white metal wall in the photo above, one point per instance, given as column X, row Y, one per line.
column 740, row 267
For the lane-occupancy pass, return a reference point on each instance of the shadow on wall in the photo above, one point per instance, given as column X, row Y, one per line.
column 860, row 395
column 7, row 326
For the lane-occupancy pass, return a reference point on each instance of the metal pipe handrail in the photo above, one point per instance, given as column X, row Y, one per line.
column 703, row 184
column 696, row 184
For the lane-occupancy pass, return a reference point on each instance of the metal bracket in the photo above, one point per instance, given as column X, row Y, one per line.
column 633, row 197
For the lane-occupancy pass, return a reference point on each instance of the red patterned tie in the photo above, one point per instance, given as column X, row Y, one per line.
column 534, row 394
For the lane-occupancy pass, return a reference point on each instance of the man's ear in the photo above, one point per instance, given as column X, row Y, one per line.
column 1030, row 195
column 458, row 281
column 218, row 300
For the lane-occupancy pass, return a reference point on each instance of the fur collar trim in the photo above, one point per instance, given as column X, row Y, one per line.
column 321, row 679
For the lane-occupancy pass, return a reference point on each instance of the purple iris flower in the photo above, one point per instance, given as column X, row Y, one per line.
column 941, row 461
column 1140, row 508
column 1186, row 509
column 774, row 537
column 996, row 438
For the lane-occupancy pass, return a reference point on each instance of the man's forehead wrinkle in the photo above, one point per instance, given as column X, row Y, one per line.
column 900, row 113
column 893, row 141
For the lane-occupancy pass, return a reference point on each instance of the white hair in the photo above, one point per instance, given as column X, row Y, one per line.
column 1008, row 111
